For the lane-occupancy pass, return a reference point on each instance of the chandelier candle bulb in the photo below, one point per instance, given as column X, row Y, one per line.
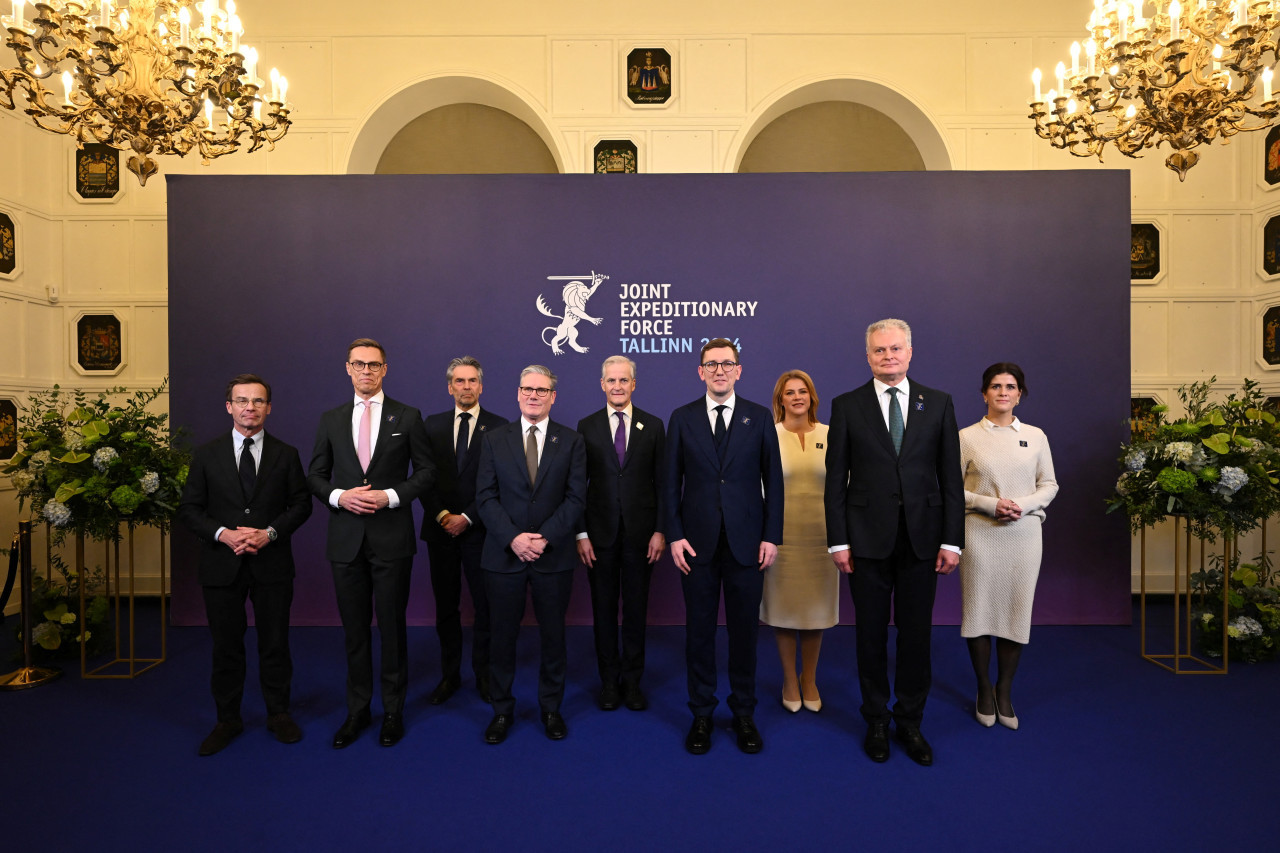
column 66, row 88
column 1175, row 21
column 284, row 89
column 1061, row 73
column 1035, row 79
column 184, row 27
column 104, row 14
column 1266, row 84
column 1091, row 57
column 275, row 85
column 1075, row 58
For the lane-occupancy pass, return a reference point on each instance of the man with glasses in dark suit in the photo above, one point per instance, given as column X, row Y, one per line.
column 245, row 496
column 369, row 464
column 724, row 501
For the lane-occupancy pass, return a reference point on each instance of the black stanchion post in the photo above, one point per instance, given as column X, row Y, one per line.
column 28, row 675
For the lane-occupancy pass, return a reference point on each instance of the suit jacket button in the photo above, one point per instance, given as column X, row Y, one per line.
column 246, row 510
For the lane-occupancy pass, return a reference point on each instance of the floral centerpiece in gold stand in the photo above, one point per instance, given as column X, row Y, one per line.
column 1213, row 471
column 95, row 469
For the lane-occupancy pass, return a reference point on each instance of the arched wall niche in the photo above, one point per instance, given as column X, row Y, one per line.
column 386, row 119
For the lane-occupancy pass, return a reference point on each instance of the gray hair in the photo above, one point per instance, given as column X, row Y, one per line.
column 464, row 361
column 888, row 323
column 618, row 359
column 541, row 371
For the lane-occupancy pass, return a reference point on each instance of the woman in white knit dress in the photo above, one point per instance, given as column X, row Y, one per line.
column 1008, row 481
column 802, row 588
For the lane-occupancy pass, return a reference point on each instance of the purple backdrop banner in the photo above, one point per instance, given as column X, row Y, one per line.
column 276, row 275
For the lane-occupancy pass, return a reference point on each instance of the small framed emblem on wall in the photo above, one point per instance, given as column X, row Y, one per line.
column 1144, row 253
column 8, row 246
column 649, row 76
column 8, row 428
column 97, row 172
column 615, row 156
column 98, row 343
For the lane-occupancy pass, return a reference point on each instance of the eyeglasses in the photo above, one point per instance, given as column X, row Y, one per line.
column 529, row 391
column 717, row 366
column 256, row 402
column 362, row 366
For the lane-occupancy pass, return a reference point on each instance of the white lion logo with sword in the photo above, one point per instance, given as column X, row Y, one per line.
column 575, row 295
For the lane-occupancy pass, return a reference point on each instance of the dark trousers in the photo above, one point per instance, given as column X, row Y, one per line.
column 905, row 585
column 743, row 586
column 450, row 562
column 506, row 592
column 620, row 572
column 224, row 608
column 365, row 587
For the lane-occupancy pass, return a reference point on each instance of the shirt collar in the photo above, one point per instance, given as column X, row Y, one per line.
column 712, row 403
column 474, row 411
column 1016, row 426
column 378, row 398
column 540, row 426
column 904, row 387
column 237, row 439
column 629, row 411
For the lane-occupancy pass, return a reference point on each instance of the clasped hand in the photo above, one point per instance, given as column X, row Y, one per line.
column 363, row 500
column 1007, row 510
column 244, row 540
column 529, row 546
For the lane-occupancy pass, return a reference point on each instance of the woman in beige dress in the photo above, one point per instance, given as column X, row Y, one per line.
column 1008, row 481
column 802, row 587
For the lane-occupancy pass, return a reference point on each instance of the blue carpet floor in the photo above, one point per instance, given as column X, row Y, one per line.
column 1114, row 753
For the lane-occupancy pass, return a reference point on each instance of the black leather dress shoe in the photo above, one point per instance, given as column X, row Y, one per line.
column 633, row 697
column 482, row 686
column 392, row 729
column 497, row 729
column 610, row 696
column 749, row 739
column 698, row 741
column 447, row 687
column 222, row 734
column 284, row 728
column 918, row 749
column 876, row 743
column 350, row 730
column 554, row 725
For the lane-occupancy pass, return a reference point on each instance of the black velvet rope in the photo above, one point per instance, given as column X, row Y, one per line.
column 13, row 573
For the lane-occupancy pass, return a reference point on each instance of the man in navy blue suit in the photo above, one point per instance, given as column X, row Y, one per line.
column 895, row 521
column 530, row 490
column 723, row 498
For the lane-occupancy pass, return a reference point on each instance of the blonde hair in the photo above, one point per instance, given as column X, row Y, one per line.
column 779, row 411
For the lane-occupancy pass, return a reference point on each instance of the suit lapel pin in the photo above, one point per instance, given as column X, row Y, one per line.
column 481, row 428
column 746, row 421
column 919, row 405
column 554, row 439
column 1022, row 444
column 639, row 425
column 817, row 445
column 391, row 419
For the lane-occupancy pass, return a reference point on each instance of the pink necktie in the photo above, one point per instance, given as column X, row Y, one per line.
column 366, row 429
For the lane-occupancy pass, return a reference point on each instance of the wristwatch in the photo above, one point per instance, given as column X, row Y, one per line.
column 271, row 534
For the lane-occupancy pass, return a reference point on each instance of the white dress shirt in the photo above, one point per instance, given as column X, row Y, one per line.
column 375, row 424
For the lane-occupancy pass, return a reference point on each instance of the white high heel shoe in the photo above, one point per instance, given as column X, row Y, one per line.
column 987, row 720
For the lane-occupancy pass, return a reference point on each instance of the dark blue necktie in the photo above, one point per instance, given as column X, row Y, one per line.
column 248, row 471
column 721, row 430
column 460, row 452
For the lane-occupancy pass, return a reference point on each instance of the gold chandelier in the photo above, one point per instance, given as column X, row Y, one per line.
column 1184, row 76
column 143, row 75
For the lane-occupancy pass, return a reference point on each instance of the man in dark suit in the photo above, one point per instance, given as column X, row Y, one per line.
column 621, row 538
column 245, row 496
column 360, row 469
column 895, row 521
column 451, row 525
column 723, row 500
column 530, row 490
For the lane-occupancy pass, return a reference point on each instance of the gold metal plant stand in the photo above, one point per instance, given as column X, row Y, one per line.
column 1182, row 660
column 27, row 675
column 125, row 658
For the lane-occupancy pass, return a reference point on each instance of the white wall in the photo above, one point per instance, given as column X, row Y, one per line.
column 962, row 67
